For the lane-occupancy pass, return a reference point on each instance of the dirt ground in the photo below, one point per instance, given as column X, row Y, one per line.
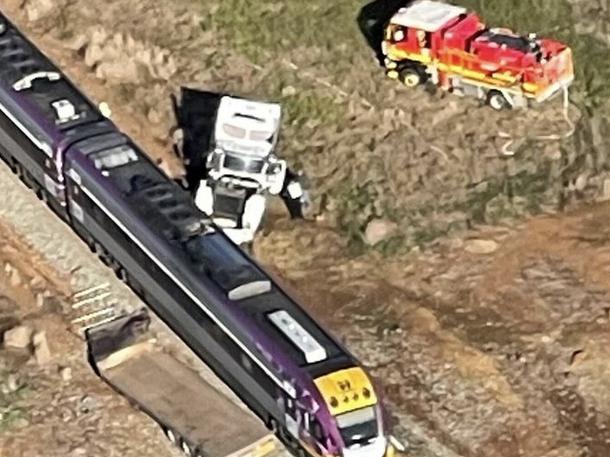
column 493, row 342
column 56, row 406
column 497, row 341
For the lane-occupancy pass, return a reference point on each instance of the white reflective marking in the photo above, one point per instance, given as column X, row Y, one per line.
column 185, row 289
column 26, row 82
column 77, row 211
column 250, row 289
column 314, row 352
column 295, row 190
column 74, row 175
column 46, row 148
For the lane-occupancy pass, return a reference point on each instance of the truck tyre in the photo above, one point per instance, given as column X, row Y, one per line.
column 170, row 435
column 497, row 100
column 410, row 77
column 186, row 448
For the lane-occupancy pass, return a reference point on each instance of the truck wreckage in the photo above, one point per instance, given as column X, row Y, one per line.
column 228, row 146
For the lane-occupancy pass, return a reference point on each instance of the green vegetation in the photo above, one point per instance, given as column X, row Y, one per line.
column 508, row 197
column 10, row 411
column 302, row 107
column 356, row 210
column 324, row 36
column 263, row 29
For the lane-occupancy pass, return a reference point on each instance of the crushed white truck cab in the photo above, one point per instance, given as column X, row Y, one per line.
column 229, row 150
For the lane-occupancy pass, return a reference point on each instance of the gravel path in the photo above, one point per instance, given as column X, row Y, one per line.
column 66, row 252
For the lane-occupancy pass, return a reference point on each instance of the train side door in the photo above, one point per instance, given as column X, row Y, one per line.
column 196, row 116
column 72, row 180
column 291, row 417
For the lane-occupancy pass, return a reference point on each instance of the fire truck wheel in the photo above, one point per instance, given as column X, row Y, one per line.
column 497, row 101
column 410, row 77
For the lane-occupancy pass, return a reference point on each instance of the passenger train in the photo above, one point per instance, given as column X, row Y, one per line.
column 293, row 374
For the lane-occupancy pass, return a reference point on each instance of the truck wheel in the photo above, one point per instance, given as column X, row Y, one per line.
column 171, row 436
column 186, row 449
column 121, row 274
column 42, row 195
column 497, row 100
column 410, row 77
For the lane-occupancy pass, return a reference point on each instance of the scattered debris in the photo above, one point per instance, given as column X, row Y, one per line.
column 15, row 278
column 288, row 91
column 479, row 246
column 88, row 404
column 42, row 353
column 118, row 57
column 37, row 282
column 66, row 374
column 379, row 230
column 39, row 9
column 12, row 383
column 18, row 337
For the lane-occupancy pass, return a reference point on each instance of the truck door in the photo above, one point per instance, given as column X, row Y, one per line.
column 196, row 116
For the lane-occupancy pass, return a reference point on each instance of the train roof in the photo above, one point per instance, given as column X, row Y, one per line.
column 52, row 103
column 200, row 249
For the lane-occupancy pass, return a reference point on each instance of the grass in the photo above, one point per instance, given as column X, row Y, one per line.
column 303, row 106
column 10, row 411
column 264, row 29
column 325, row 35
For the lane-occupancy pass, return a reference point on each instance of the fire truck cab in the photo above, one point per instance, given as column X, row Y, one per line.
column 452, row 48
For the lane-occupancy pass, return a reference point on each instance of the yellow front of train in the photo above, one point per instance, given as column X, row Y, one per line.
column 358, row 412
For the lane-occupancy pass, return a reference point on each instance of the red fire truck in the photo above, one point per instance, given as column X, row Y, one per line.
column 452, row 48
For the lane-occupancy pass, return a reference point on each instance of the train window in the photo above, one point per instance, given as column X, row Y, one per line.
column 114, row 157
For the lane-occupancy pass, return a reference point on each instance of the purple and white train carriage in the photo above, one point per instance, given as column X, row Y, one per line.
column 285, row 366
